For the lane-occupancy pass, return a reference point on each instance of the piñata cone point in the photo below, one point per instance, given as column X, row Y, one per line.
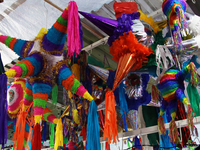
column 124, row 66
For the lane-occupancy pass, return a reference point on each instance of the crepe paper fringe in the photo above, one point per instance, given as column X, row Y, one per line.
column 173, row 132
column 125, row 22
column 122, row 100
column 83, row 133
column 76, row 116
column 190, row 118
column 36, row 141
column 161, row 125
column 194, row 98
column 3, row 109
column 59, row 134
column 44, row 133
column 19, row 134
column 128, row 43
column 110, row 129
column 29, row 141
column 73, row 35
column 93, row 131
column 52, row 134
column 156, row 95
column 194, row 76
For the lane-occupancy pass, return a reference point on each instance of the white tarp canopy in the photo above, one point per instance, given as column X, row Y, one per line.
column 28, row 18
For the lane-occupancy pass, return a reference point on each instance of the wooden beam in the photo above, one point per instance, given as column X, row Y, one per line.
column 83, row 24
column 154, row 129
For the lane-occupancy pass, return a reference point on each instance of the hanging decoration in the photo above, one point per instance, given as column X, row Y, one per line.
column 3, row 110
column 125, row 48
column 44, row 65
column 175, row 12
column 137, row 45
column 74, row 41
column 172, row 89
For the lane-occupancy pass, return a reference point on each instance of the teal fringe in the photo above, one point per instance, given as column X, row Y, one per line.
column 93, row 132
column 194, row 98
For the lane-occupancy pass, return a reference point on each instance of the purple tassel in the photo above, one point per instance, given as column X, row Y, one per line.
column 3, row 109
column 81, row 33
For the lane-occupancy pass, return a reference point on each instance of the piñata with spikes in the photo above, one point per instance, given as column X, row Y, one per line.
column 44, row 65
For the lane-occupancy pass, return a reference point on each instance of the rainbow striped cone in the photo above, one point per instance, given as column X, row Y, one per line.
column 69, row 82
column 20, row 47
column 28, row 96
column 41, row 91
column 29, row 66
column 49, row 116
column 56, row 35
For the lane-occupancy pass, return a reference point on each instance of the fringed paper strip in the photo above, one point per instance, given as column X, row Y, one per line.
column 59, row 134
column 20, row 130
column 36, row 140
column 190, row 118
column 73, row 35
column 173, row 132
column 161, row 125
column 93, row 132
column 110, row 129
column 3, row 110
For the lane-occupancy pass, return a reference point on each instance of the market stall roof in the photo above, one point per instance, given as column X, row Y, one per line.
column 24, row 18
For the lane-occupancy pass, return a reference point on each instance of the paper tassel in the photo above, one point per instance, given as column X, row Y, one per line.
column 110, row 129
column 194, row 76
column 194, row 98
column 173, row 132
column 20, row 131
column 155, row 94
column 122, row 100
column 76, row 116
column 44, row 133
column 52, row 134
column 132, row 117
column 93, row 132
column 190, row 119
column 137, row 143
column 59, row 134
column 54, row 94
column 83, row 133
column 28, row 144
column 36, row 141
column 161, row 125
column 3, row 110
column 153, row 90
column 73, row 35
